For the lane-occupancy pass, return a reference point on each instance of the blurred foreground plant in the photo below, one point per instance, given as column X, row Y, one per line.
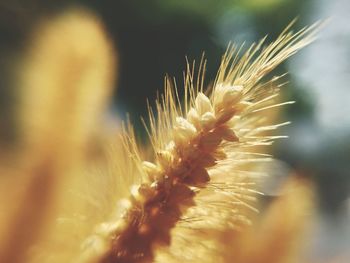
column 77, row 200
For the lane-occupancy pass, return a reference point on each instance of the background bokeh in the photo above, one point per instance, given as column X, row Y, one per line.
column 153, row 37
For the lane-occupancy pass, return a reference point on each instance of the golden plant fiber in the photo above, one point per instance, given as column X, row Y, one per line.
column 116, row 206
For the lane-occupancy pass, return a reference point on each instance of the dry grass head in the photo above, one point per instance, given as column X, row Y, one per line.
column 199, row 184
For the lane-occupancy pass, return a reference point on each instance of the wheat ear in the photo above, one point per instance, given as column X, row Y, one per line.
column 193, row 146
column 63, row 83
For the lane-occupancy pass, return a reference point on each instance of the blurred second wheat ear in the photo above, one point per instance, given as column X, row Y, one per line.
column 64, row 83
column 199, row 185
column 280, row 234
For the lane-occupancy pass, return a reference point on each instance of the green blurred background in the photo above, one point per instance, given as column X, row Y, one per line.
column 154, row 36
